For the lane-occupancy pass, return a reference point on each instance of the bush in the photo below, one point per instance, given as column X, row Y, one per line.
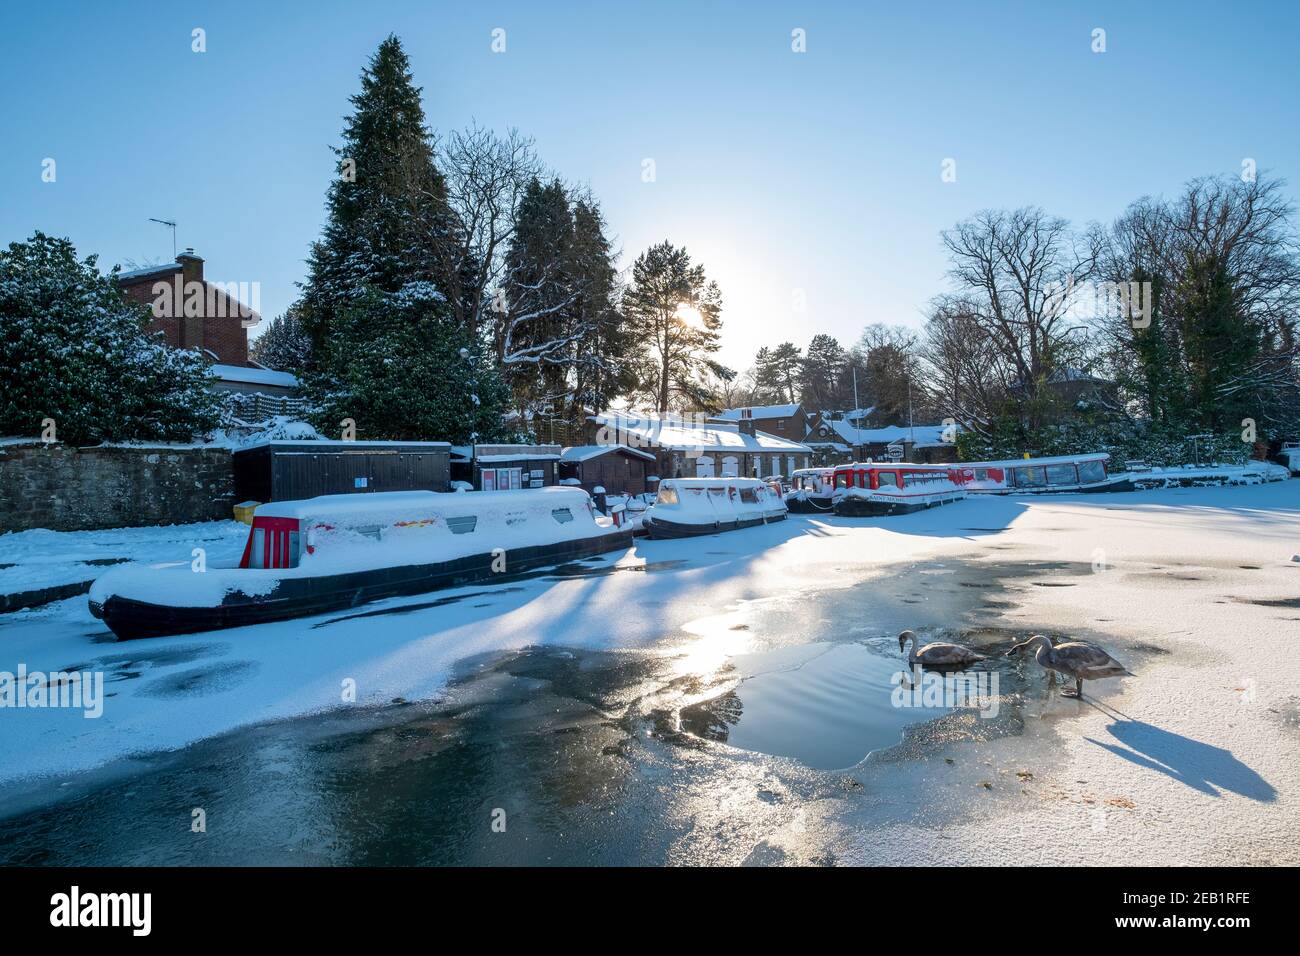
column 73, row 349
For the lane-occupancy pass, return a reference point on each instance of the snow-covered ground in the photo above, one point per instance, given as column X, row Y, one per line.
column 1196, row 759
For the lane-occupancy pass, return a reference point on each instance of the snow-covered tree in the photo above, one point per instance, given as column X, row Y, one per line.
column 676, row 312
column 74, row 350
column 399, row 371
column 389, row 227
column 284, row 345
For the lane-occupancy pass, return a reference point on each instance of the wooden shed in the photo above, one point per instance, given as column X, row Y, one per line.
column 619, row 469
column 506, row 467
column 293, row 470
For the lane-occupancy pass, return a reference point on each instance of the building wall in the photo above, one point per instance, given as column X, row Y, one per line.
column 223, row 335
column 73, row 489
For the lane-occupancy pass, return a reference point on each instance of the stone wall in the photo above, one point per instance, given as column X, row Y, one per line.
column 72, row 489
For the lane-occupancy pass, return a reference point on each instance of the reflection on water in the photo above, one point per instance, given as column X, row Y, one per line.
column 830, row 705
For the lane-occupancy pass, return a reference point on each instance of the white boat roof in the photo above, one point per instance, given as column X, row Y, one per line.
column 389, row 502
column 891, row 464
column 711, row 482
column 1055, row 460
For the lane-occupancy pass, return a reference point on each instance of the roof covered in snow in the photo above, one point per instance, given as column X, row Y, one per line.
column 925, row 436
column 254, row 376
column 757, row 411
column 649, row 430
column 585, row 452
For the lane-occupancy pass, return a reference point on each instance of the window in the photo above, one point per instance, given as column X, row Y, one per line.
column 1032, row 476
column 562, row 515
column 1090, row 471
column 1061, row 475
column 749, row 496
column 667, row 495
column 886, row 479
column 462, row 524
column 841, row 479
column 981, row 474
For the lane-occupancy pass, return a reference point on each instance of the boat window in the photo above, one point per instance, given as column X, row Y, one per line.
column 841, row 479
column 981, row 474
column 1030, row 477
column 562, row 515
column 666, row 496
column 462, row 524
column 1090, row 471
column 749, row 495
column 1061, row 475
column 886, row 479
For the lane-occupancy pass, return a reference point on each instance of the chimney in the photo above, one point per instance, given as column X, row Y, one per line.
column 191, row 325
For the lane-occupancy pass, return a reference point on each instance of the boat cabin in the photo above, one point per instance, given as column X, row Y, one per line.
column 1060, row 473
column 892, row 475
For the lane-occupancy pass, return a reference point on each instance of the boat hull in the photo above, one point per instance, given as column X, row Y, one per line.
column 857, row 507
column 302, row 596
column 660, row 529
column 808, row 506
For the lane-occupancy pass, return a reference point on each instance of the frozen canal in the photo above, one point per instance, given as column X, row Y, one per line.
column 726, row 700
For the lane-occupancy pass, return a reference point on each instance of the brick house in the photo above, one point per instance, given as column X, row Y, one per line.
column 192, row 313
column 784, row 421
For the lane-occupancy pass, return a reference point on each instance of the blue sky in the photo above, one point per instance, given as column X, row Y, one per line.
column 779, row 171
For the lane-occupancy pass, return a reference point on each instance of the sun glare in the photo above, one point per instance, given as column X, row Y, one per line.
column 690, row 316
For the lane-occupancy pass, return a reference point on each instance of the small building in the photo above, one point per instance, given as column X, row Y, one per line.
column 618, row 469
column 294, row 470
column 694, row 447
column 505, row 467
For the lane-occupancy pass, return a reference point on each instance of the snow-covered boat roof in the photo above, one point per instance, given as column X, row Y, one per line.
column 1056, row 460
column 254, row 376
column 711, row 482
column 891, row 464
column 678, row 434
column 381, row 503
column 580, row 453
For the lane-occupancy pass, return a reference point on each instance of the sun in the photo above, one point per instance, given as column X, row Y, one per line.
column 689, row 315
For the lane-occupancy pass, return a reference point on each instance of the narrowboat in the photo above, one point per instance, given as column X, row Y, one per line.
column 338, row 551
column 811, row 490
column 1063, row 474
column 891, row 488
column 685, row 507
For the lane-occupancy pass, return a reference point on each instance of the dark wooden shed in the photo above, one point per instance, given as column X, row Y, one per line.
column 292, row 470
column 506, row 467
column 619, row 469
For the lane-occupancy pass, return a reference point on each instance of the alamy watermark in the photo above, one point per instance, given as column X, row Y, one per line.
column 977, row 690
column 72, row 690
column 213, row 300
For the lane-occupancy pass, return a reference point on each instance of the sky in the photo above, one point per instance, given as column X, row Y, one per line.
column 809, row 184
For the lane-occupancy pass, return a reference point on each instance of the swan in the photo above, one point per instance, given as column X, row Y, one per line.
column 1073, row 659
column 938, row 654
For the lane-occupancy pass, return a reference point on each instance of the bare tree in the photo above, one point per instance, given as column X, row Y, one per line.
column 487, row 175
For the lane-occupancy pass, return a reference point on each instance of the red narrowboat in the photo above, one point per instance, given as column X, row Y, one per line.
column 890, row 488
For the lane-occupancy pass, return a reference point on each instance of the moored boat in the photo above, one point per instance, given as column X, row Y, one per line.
column 1061, row 474
column 685, row 507
column 890, row 488
column 339, row 551
column 811, row 490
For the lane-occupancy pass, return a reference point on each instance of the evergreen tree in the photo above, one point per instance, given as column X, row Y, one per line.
column 605, row 368
column 536, row 333
column 677, row 314
column 389, row 226
column 1221, row 344
column 75, row 350
column 823, row 379
column 401, row 372
column 284, row 345
column 778, row 373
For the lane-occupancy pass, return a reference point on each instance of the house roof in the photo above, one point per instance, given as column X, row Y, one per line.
column 645, row 430
column 585, row 452
column 254, row 376
column 757, row 411
column 927, row 436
